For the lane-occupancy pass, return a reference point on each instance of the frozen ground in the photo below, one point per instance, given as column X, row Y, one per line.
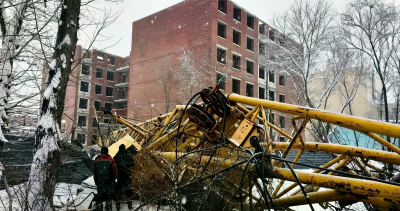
column 73, row 196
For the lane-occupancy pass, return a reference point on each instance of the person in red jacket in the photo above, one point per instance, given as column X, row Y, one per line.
column 105, row 174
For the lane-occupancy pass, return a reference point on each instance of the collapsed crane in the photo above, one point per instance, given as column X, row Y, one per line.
column 215, row 153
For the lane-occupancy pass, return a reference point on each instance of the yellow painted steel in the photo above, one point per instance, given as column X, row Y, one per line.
column 327, row 165
column 358, row 186
column 129, row 125
column 318, row 197
column 170, row 117
column 384, row 142
column 196, row 137
column 221, row 162
column 127, row 141
column 387, row 157
column 332, row 195
column 282, row 181
column 279, row 130
column 351, row 122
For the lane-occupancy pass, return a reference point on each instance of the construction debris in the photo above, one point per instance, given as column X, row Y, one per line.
column 216, row 154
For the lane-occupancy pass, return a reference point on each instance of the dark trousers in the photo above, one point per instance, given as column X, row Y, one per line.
column 99, row 199
column 124, row 193
column 105, row 193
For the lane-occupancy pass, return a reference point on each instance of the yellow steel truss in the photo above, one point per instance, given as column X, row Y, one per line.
column 216, row 137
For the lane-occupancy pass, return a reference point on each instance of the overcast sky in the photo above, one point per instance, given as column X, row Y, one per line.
column 116, row 38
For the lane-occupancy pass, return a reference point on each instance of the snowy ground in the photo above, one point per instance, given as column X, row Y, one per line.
column 66, row 197
column 73, row 196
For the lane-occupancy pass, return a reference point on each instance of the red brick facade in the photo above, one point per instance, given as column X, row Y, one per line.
column 99, row 64
column 159, row 40
column 183, row 37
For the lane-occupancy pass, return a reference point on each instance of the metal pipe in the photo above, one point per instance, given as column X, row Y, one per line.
column 358, row 186
column 351, row 122
column 383, row 156
column 327, row 165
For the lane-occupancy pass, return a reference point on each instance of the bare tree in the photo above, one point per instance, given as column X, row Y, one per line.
column 165, row 78
column 372, row 27
column 47, row 154
column 309, row 24
column 298, row 46
column 12, row 15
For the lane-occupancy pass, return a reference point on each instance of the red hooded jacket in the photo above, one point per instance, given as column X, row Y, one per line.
column 108, row 158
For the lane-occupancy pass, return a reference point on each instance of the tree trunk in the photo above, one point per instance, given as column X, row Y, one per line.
column 10, row 196
column 46, row 161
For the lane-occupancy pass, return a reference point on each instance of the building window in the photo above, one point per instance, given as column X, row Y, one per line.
column 261, row 48
column 250, row 44
column 122, row 93
column 94, row 122
column 110, row 76
column 124, row 78
column 97, row 89
column 261, row 72
column 271, row 76
column 250, row 21
column 100, row 56
column 237, row 13
column 82, row 121
column 282, row 80
column 281, row 98
column 221, row 30
column 221, row 81
column 84, row 86
column 111, row 60
column 271, row 95
column 97, row 105
column 221, row 54
column 282, row 121
column 120, row 105
column 81, row 138
column 236, row 61
column 250, row 67
column 94, row 138
column 271, row 35
column 222, row 5
column 108, row 106
column 236, row 37
column 235, row 86
column 109, row 91
column 249, row 90
column 261, row 93
column 85, row 69
column 106, row 120
column 282, row 40
column 99, row 73
column 83, row 103
column 282, row 139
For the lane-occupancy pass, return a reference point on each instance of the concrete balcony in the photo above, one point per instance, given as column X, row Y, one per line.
column 122, row 100
column 121, row 84
column 123, row 69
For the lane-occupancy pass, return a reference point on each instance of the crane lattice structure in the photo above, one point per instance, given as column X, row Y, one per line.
column 215, row 153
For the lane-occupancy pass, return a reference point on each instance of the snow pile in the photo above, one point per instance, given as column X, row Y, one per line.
column 65, row 194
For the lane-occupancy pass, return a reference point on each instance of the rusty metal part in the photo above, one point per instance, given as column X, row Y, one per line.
column 363, row 187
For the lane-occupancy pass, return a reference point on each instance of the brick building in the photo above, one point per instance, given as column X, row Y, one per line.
column 217, row 33
column 174, row 54
column 97, row 80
